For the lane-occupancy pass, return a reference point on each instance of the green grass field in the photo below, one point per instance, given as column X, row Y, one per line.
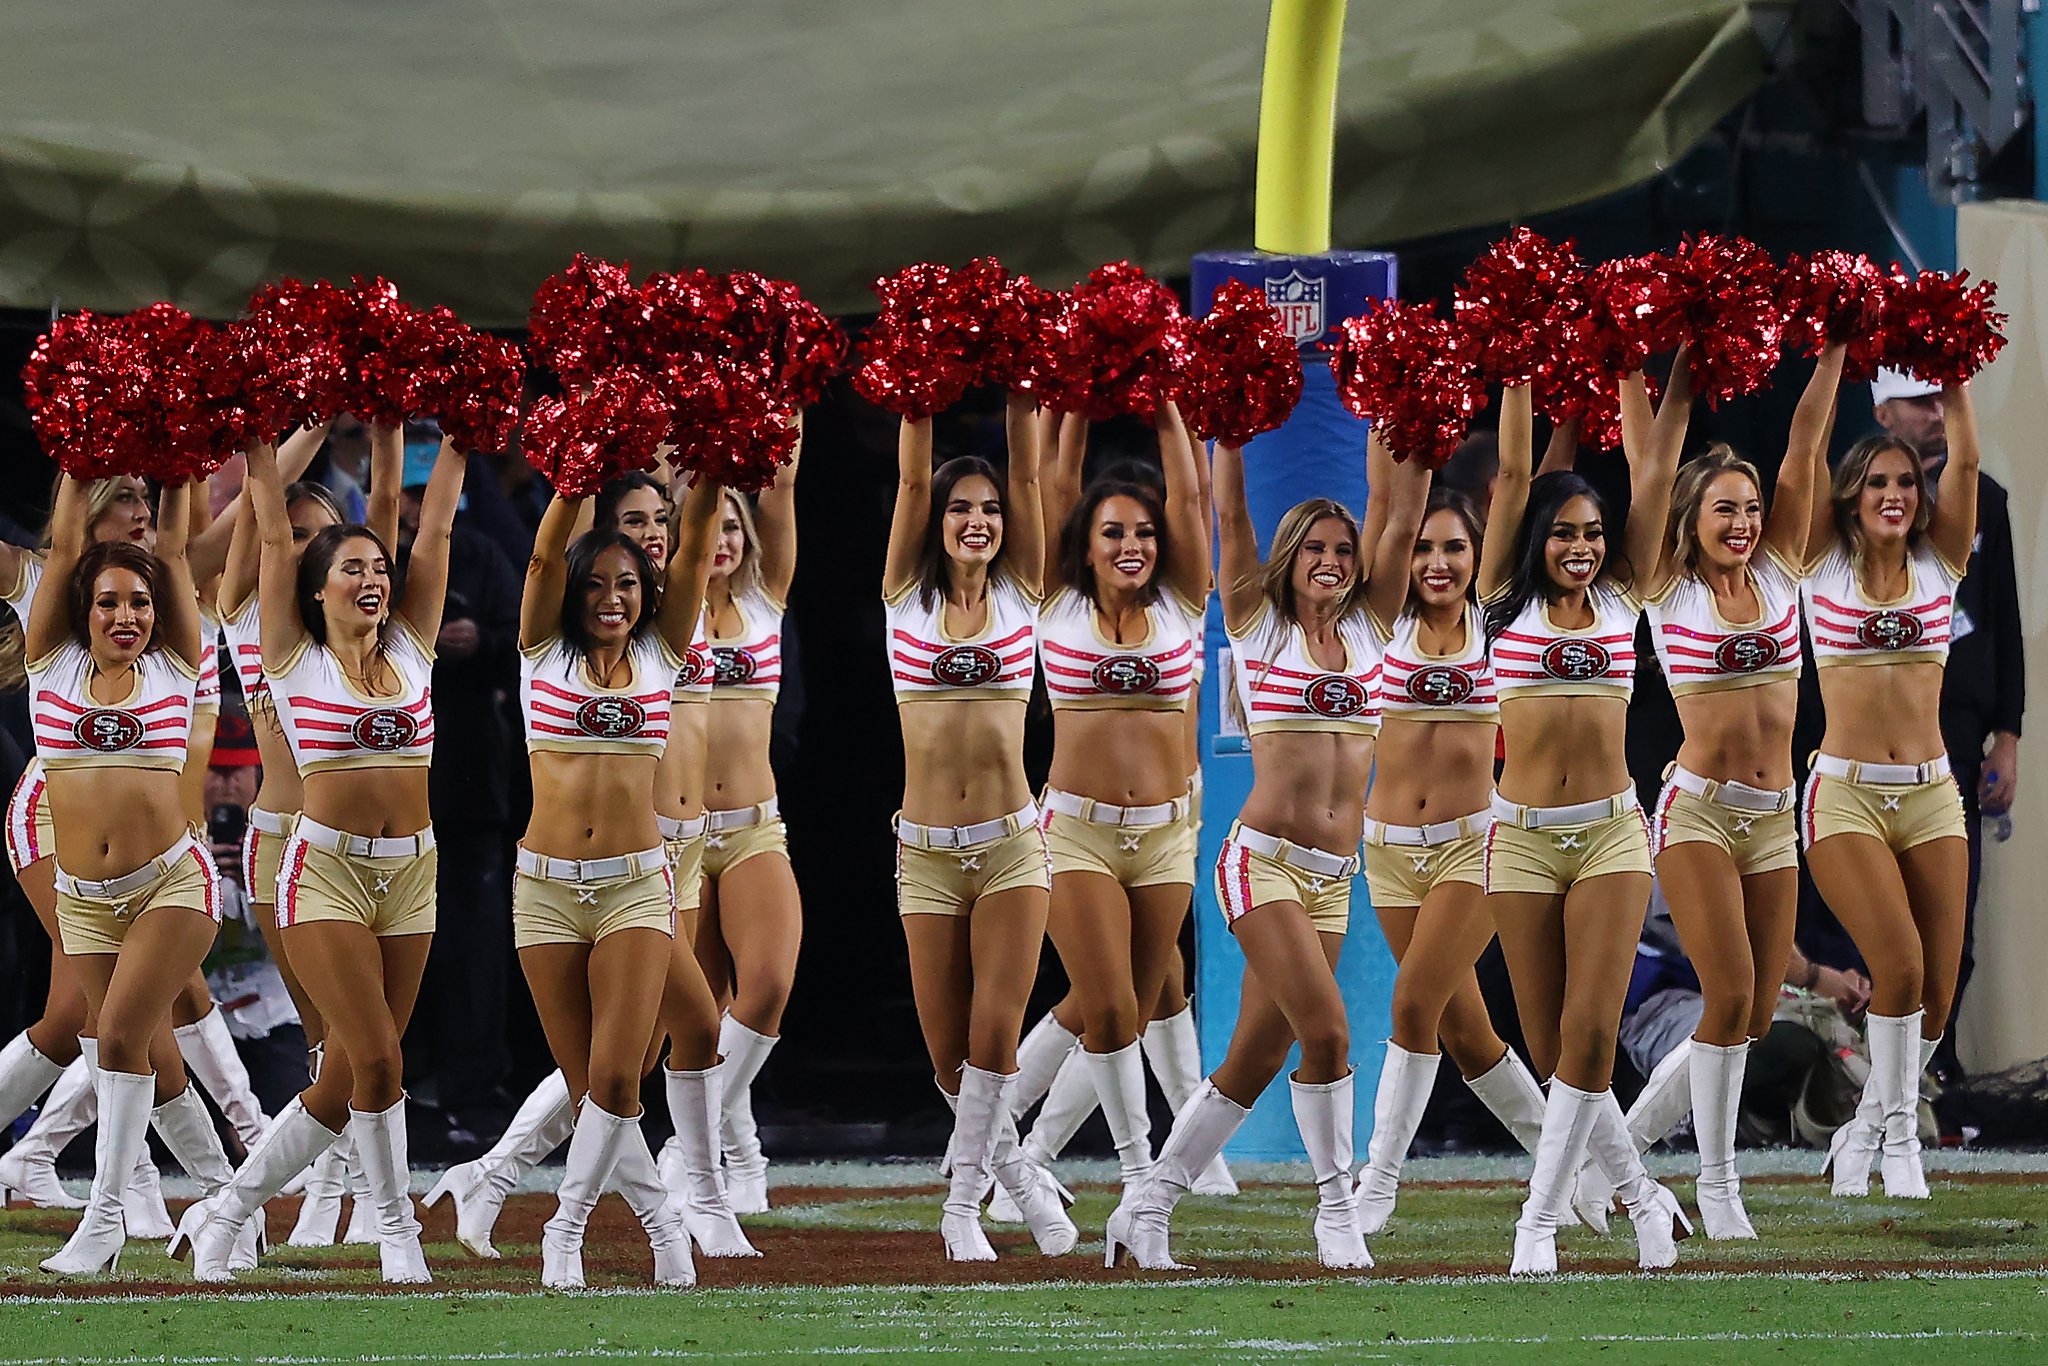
column 855, row 1270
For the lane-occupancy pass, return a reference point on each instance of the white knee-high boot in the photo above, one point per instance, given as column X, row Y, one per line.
column 1049, row 1066
column 694, row 1106
column 212, row 1227
column 24, row 1074
column 1139, row 1228
column 1322, row 1111
column 142, row 1201
column 1120, row 1088
column 639, row 1183
column 1039, row 1201
column 593, row 1154
column 1568, row 1118
column 1895, row 1059
column 1654, row 1211
column 978, row 1112
column 543, row 1123
column 1406, row 1079
column 746, row 1167
column 319, row 1221
column 1855, row 1147
column 1174, row 1051
column 28, row 1171
column 187, row 1130
column 1044, row 1050
column 1716, row 1074
column 124, row 1104
column 1665, row 1098
column 380, row 1145
column 210, row 1055
column 1068, row 1103
column 1512, row 1095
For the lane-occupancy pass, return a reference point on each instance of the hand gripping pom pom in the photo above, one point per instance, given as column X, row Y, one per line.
column 1517, row 308
column 1399, row 365
column 1940, row 328
column 1237, row 371
column 1829, row 297
column 1106, row 350
column 582, row 443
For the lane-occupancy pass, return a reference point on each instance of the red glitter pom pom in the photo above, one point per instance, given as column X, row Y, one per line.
column 585, row 318
column 1833, row 296
column 294, row 346
column 471, row 381
column 1733, row 316
column 382, row 342
column 925, row 347
column 1940, row 328
column 1399, row 365
column 1107, row 350
column 1014, row 331
column 1517, row 306
column 1238, row 369
column 583, row 442
column 796, row 346
column 729, row 425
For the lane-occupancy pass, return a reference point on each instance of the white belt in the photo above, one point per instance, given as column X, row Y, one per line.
column 128, row 884
column 966, row 836
column 270, row 822
column 591, row 869
column 363, row 846
column 1102, row 813
column 1580, row 813
column 1882, row 775
column 673, row 829
column 1319, row 862
column 1380, row 834
column 1740, row 796
column 740, row 817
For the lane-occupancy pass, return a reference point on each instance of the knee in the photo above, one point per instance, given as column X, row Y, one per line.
column 1725, row 1019
column 377, row 1073
column 765, row 993
column 1585, row 1056
column 1112, row 1021
column 1414, row 1017
column 615, row 1090
column 1325, row 1048
column 123, row 1051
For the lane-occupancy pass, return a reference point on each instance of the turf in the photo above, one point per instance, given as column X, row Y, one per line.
column 856, row 1271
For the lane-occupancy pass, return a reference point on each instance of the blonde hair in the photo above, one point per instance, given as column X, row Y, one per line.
column 1689, row 492
column 747, row 573
column 1846, row 490
column 100, row 496
column 1275, row 578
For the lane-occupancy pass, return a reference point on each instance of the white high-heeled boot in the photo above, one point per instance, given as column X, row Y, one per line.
column 362, row 1208
column 745, row 1166
column 1138, row 1229
column 1406, row 1080
column 694, row 1107
column 1120, row 1089
column 1174, row 1051
column 1042, row 1057
column 1512, row 1095
column 1322, row 1111
column 543, row 1123
column 326, row 1181
column 639, row 1183
column 1895, row 1057
column 1568, row 1118
column 28, row 1171
column 593, row 1153
column 1664, row 1100
column 968, row 1166
column 1040, row 1201
column 380, row 1146
column 24, row 1075
column 212, row 1227
column 210, row 1055
column 142, row 1199
column 1659, row 1220
column 187, row 1130
column 95, row 1245
column 1068, row 1103
column 1854, row 1149
column 1716, row 1073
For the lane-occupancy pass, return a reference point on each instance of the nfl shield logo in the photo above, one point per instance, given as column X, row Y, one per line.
column 1299, row 301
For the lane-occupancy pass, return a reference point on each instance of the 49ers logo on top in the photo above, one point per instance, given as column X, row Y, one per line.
column 1125, row 674
column 1439, row 685
column 1746, row 653
column 1336, row 695
column 966, row 666
column 611, row 718
column 107, row 731
column 734, row 666
column 1890, row 630
column 695, row 666
column 384, row 729
column 1576, row 660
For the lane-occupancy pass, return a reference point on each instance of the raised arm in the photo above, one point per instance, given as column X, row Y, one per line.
column 1187, row 567
column 776, row 519
column 207, row 537
column 426, row 574
column 387, row 477
column 1023, row 513
column 1237, row 544
column 1652, row 469
column 913, row 504
column 281, row 629
column 1062, row 490
column 547, row 570
column 689, row 565
column 177, row 604
column 245, row 547
column 1954, row 528
column 49, row 617
column 1510, row 490
column 1788, row 529
column 1403, row 490
column 1561, row 452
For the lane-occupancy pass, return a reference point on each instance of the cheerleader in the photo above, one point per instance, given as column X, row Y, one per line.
column 113, row 664
column 1561, row 623
column 349, row 673
column 1881, row 818
column 962, row 587
column 750, row 921
column 1425, row 835
column 1723, row 603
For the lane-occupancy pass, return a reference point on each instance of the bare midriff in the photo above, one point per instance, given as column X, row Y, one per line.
column 1741, row 735
column 679, row 779
column 737, row 772
column 111, row 820
column 1308, row 787
column 1427, row 772
column 1887, row 713
column 963, row 760
column 1122, row 757
column 589, row 806
column 1564, row 750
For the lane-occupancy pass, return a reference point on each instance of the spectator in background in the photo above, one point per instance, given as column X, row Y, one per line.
column 462, row 1011
column 1472, row 470
column 1984, row 690
column 343, row 465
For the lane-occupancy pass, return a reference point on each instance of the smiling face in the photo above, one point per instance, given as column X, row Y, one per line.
column 122, row 616
column 355, row 596
column 1731, row 520
column 1575, row 545
column 127, row 517
column 1890, row 497
column 731, row 545
column 643, row 516
column 1123, row 544
column 612, row 598
column 973, row 525
column 1441, row 571
column 1326, row 565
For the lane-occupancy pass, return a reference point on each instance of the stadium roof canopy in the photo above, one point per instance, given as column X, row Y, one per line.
column 466, row 147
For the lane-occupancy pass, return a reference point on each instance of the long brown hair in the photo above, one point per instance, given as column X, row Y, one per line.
column 1846, row 491
column 1689, row 493
column 99, row 557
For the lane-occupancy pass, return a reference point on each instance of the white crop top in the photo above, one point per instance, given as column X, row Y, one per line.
column 22, row 595
column 243, row 629
column 331, row 725
column 149, row 728
column 1533, row 656
column 1418, row 686
column 750, row 664
column 1702, row 652
column 693, row 674
column 1849, row 628
column 1281, row 686
column 566, row 712
column 207, row 698
column 926, row 664
column 1084, row 671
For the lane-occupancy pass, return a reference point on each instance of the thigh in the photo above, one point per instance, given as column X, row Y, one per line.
column 1006, row 933
column 1710, row 913
column 192, row 1002
column 1089, row 919
column 1173, row 991
column 709, row 942
column 1397, row 924
column 1286, row 953
column 1603, row 920
column 1859, row 879
column 1258, row 1043
column 157, row 956
column 341, row 965
column 1449, row 931
column 1532, row 941
column 1770, row 904
column 55, row 1035
column 942, row 984
column 761, row 917
column 1937, row 878
column 1157, row 913
column 404, row 957
column 265, row 916
column 689, row 1013
column 627, row 969
column 559, row 977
